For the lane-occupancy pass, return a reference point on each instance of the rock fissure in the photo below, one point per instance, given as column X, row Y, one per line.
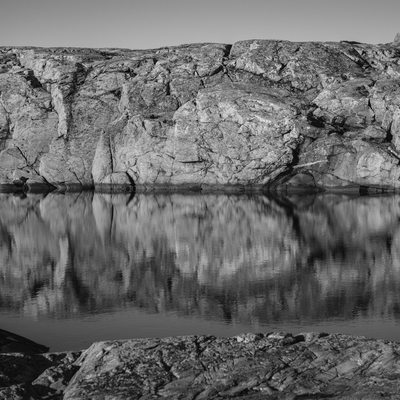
column 27, row 163
column 357, row 58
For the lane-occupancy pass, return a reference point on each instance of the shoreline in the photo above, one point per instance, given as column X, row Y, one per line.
column 193, row 189
column 249, row 366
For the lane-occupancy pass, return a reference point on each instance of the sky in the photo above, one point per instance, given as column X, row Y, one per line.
column 141, row 24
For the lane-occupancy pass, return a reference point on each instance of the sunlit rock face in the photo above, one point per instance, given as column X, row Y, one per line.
column 260, row 113
column 235, row 258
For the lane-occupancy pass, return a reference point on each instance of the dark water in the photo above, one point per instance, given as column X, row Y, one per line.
column 77, row 268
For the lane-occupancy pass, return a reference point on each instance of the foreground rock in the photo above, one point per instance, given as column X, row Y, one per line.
column 12, row 343
column 256, row 113
column 35, row 376
column 271, row 366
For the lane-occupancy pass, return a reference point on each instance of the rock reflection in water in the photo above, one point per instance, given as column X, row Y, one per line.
column 247, row 259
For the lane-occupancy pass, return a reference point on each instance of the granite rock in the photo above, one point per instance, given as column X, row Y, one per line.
column 204, row 114
column 249, row 366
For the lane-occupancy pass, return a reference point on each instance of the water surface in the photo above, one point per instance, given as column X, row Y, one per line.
column 76, row 268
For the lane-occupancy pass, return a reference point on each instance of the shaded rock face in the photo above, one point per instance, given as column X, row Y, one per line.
column 36, row 376
column 12, row 343
column 207, row 114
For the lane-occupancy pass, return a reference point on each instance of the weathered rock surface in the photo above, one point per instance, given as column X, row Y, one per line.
column 249, row 366
column 259, row 113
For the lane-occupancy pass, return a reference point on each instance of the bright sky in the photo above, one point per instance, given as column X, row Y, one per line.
column 139, row 24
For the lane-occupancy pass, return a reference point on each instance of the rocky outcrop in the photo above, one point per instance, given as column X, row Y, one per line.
column 246, row 367
column 262, row 114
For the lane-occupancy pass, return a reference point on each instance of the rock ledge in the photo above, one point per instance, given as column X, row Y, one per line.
column 249, row 366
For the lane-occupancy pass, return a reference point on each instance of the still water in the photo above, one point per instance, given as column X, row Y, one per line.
column 76, row 268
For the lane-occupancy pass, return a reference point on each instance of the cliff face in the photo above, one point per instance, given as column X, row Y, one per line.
column 207, row 114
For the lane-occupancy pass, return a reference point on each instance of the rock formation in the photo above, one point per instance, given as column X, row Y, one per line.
column 246, row 367
column 258, row 113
